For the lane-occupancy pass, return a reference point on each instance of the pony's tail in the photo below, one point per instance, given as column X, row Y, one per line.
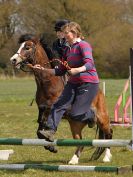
column 99, row 150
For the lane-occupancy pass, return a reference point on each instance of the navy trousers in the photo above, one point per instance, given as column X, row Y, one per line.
column 77, row 96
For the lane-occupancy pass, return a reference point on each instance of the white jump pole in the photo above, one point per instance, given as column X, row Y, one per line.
column 69, row 168
column 66, row 142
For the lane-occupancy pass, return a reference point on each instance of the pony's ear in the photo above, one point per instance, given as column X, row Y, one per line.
column 35, row 39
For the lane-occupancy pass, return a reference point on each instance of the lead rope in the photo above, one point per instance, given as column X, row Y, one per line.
column 64, row 63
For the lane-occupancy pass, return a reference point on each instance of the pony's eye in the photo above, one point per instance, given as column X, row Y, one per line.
column 27, row 47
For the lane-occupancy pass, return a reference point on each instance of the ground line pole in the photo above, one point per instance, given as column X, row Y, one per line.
column 131, row 63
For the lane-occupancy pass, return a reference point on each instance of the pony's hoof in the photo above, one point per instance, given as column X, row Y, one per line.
column 74, row 160
column 107, row 158
column 51, row 149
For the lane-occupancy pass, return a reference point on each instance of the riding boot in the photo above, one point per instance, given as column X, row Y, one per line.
column 47, row 134
column 40, row 131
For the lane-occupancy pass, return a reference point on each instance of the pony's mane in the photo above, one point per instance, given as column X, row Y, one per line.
column 26, row 37
column 45, row 46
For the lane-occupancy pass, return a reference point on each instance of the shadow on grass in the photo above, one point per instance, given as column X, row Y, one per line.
column 49, row 162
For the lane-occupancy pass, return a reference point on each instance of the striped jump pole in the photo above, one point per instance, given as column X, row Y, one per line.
column 69, row 168
column 66, row 142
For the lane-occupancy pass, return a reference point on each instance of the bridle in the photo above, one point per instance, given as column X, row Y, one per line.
column 25, row 61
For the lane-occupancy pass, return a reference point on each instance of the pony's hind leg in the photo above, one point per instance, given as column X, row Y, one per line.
column 76, row 129
column 103, row 123
column 108, row 155
column 105, row 132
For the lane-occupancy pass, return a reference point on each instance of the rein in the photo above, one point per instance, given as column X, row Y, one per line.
column 64, row 63
column 21, row 67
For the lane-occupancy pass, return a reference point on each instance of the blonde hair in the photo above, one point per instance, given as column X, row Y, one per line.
column 74, row 28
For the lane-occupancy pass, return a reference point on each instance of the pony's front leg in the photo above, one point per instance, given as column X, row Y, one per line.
column 41, row 118
column 76, row 129
column 41, row 121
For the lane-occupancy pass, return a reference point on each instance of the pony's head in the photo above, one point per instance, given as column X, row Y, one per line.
column 24, row 52
column 29, row 45
column 24, row 55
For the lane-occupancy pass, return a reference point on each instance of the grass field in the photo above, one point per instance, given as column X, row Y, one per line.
column 19, row 120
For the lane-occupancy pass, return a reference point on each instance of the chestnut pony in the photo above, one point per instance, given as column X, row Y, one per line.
column 33, row 51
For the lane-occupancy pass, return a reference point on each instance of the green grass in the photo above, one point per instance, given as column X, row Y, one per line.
column 19, row 120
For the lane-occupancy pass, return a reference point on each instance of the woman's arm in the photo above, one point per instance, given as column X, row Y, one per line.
column 50, row 71
column 54, row 72
column 74, row 71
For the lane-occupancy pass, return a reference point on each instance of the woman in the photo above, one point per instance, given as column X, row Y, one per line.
column 60, row 43
column 81, row 87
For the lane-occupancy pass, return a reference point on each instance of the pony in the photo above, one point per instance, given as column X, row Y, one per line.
column 33, row 50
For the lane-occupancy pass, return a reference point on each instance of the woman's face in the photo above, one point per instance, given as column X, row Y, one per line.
column 69, row 36
column 60, row 34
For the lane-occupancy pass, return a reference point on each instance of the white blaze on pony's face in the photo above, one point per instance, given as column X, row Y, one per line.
column 16, row 59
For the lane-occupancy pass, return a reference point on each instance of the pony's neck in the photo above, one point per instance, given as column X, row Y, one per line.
column 41, row 57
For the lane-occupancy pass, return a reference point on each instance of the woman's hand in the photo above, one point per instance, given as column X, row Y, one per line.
column 37, row 66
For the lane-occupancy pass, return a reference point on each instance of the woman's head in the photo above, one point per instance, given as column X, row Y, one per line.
column 58, row 25
column 72, row 30
column 72, row 27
